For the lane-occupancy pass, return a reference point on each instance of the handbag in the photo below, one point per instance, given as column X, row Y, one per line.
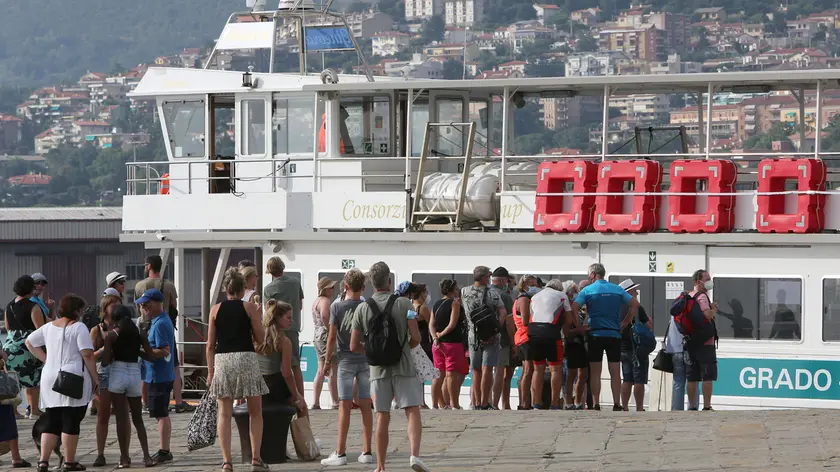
column 664, row 361
column 305, row 445
column 67, row 383
column 201, row 431
column 9, row 385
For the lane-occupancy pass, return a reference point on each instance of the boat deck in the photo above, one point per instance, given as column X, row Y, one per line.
column 545, row 441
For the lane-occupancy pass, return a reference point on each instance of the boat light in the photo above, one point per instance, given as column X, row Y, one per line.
column 248, row 78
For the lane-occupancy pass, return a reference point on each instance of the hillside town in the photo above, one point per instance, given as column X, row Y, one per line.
column 451, row 39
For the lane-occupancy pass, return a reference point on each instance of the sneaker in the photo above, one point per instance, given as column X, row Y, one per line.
column 597, row 407
column 162, row 456
column 692, row 409
column 708, row 408
column 366, row 458
column 184, row 407
column 336, row 459
column 617, row 408
column 417, row 465
column 490, row 407
column 570, row 407
column 28, row 412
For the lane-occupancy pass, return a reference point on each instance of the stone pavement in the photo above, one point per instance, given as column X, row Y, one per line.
column 797, row 440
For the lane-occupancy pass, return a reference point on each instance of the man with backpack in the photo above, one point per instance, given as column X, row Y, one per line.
column 694, row 315
column 635, row 353
column 486, row 315
column 385, row 330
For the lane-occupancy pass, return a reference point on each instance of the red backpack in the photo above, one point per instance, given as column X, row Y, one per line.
column 690, row 320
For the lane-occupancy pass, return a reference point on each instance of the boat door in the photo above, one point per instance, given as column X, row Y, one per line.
column 447, row 142
column 253, row 169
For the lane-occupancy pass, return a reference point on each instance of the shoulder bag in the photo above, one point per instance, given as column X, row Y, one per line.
column 67, row 383
column 664, row 361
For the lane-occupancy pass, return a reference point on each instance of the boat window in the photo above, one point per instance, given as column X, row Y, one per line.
column 759, row 308
column 185, row 123
column 366, row 126
column 450, row 139
column 253, row 125
column 831, row 310
column 339, row 278
column 480, row 115
column 656, row 295
column 293, row 125
column 419, row 118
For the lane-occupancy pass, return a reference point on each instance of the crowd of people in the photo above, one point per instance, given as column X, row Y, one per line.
column 377, row 354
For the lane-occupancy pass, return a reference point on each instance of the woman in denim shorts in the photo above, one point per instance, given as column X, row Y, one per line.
column 103, row 398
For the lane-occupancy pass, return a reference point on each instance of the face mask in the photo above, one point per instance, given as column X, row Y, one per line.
column 428, row 300
column 709, row 285
column 533, row 290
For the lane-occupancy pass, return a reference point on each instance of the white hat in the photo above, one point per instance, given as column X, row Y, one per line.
column 114, row 277
column 628, row 285
column 111, row 291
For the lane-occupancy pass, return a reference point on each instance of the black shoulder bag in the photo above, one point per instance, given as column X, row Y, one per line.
column 67, row 383
column 664, row 361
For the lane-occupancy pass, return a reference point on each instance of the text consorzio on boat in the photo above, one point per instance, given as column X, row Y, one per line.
column 352, row 211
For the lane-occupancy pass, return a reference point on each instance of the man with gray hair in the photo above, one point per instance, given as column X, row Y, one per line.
column 477, row 299
column 397, row 381
column 604, row 302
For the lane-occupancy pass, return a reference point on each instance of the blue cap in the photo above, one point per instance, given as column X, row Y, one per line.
column 150, row 295
column 402, row 288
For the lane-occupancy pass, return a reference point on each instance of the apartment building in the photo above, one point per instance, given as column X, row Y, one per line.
column 463, row 12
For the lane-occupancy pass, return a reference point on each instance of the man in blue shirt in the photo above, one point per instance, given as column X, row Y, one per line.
column 604, row 302
column 160, row 374
column 46, row 305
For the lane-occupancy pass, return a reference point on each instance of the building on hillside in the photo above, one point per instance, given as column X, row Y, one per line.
column 595, row 63
column 586, row 16
column 645, row 108
column 92, row 78
column 725, row 121
column 422, row 9
column 673, row 26
column 711, row 14
column 756, row 30
column 513, row 65
column 802, row 31
column 499, row 74
column 388, row 43
column 545, row 11
column 190, row 57
column 458, row 52
column 11, row 132
column 418, row 67
column 463, row 12
column 460, row 34
column 37, row 184
column 648, row 44
column 674, row 65
column 83, row 128
column 560, row 113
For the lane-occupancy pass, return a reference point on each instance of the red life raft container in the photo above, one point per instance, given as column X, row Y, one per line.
column 809, row 215
column 552, row 177
column 612, row 175
column 682, row 209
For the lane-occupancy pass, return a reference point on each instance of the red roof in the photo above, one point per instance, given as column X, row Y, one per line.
column 513, row 63
column 30, row 179
column 9, row 118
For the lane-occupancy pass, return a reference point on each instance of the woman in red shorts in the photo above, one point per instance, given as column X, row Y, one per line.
column 447, row 327
column 526, row 288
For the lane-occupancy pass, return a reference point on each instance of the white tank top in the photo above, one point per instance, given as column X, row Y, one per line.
column 248, row 295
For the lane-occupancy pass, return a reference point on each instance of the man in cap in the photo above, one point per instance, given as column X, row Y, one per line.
column 160, row 373
column 634, row 367
column 500, row 278
column 116, row 280
column 47, row 305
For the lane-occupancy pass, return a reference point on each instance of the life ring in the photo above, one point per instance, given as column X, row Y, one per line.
column 164, row 184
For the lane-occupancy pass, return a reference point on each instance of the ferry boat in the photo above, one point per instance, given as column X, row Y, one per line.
column 332, row 171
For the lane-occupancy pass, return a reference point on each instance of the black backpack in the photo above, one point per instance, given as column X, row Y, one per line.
column 90, row 317
column 485, row 320
column 382, row 345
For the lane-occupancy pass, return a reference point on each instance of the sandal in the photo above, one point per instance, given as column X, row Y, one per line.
column 228, row 466
column 43, row 466
column 23, row 464
column 73, row 467
column 100, row 461
column 149, row 462
column 125, row 463
column 259, row 466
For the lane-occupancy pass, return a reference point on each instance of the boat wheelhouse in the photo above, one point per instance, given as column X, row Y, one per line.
column 334, row 171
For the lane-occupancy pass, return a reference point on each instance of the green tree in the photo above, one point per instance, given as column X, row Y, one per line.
column 433, row 29
column 453, row 70
column 586, row 43
column 544, row 68
column 764, row 142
